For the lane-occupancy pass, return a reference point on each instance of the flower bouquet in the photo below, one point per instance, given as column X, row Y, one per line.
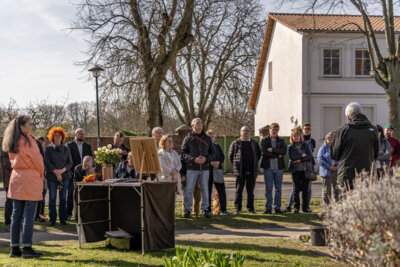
column 89, row 178
column 107, row 155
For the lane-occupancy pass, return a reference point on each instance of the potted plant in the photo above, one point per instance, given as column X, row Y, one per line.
column 107, row 157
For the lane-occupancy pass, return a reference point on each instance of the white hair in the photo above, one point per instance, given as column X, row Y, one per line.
column 87, row 159
column 194, row 121
column 155, row 129
column 353, row 109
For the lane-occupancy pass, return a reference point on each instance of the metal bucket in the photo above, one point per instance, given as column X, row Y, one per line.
column 319, row 236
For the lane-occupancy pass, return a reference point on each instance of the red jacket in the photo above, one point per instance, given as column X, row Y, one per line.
column 395, row 144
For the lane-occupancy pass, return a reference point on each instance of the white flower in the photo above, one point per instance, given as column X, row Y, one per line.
column 109, row 146
column 104, row 148
column 95, row 152
column 108, row 151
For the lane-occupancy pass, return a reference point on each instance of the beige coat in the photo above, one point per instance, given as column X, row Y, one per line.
column 168, row 165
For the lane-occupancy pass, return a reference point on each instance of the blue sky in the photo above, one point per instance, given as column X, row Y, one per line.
column 37, row 54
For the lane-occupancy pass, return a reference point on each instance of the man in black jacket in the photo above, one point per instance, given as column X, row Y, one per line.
column 355, row 145
column 197, row 152
column 273, row 148
column 244, row 153
column 79, row 149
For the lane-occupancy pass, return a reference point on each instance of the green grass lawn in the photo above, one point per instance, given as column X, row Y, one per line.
column 258, row 252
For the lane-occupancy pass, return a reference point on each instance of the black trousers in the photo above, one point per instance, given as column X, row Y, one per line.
column 8, row 209
column 247, row 179
column 221, row 192
column 300, row 183
column 70, row 198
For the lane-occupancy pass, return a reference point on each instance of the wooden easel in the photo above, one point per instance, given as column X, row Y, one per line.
column 145, row 156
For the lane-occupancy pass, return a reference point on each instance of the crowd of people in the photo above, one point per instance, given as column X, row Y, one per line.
column 25, row 161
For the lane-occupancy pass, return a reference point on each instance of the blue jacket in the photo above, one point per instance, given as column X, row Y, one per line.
column 122, row 171
column 294, row 155
column 218, row 156
column 325, row 160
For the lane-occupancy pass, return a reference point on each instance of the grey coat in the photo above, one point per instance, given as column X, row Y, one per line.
column 385, row 151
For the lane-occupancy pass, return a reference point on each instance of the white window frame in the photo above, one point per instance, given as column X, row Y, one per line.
column 340, row 63
column 354, row 63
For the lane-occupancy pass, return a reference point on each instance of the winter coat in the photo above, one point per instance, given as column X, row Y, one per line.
column 385, row 151
column 395, row 145
column 26, row 181
column 325, row 161
column 5, row 168
column 235, row 156
column 279, row 150
column 122, row 171
column 193, row 147
column 218, row 156
column 56, row 158
column 295, row 154
column 355, row 146
column 168, row 165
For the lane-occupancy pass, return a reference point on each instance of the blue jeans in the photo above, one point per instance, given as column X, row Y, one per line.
column 191, row 178
column 27, row 210
column 273, row 178
column 53, row 188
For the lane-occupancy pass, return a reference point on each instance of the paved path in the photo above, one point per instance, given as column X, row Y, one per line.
column 259, row 191
column 292, row 233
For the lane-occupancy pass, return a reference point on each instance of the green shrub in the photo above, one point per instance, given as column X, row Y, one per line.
column 203, row 258
column 131, row 133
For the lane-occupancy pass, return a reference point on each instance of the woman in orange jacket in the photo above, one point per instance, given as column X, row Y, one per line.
column 26, row 183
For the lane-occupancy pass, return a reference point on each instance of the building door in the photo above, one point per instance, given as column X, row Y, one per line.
column 332, row 119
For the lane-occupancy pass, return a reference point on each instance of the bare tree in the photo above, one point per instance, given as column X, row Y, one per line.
column 81, row 114
column 136, row 42
column 385, row 70
column 227, row 40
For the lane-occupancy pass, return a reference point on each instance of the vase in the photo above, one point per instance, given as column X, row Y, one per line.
column 107, row 171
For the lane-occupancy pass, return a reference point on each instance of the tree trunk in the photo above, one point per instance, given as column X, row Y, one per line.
column 392, row 97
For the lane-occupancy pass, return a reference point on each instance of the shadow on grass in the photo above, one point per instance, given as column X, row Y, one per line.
column 253, row 221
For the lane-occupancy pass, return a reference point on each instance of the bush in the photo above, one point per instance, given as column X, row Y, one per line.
column 365, row 225
column 131, row 133
column 203, row 258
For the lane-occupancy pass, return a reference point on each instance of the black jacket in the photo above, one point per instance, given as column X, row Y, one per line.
column 355, row 146
column 192, row 148
column 280, row 149
column 76, row 158
column 55, row 158
column 235, row 156
column 122, row 171
column 218, row 156
column 295, row 154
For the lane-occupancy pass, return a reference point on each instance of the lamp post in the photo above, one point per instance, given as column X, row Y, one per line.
column 96, row 74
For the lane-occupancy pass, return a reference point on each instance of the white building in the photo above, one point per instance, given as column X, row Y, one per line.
column 311, row 67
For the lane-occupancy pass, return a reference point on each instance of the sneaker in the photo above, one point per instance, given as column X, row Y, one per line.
column 237, row 212
column 44, row 217
column 307, row 210
column 187, row 214
column 15, row 252
column 278, row 212
column 288, row 209
column 28, row 252
column 224, row 213
column 252, row 211
column 268, row 212
column 69, row 217
column 206, row 214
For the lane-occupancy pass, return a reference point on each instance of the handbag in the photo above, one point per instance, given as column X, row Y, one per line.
column 218, row 176
column 309, row 172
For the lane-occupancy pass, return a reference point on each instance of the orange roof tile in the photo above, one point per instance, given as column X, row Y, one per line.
column 310, row 22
